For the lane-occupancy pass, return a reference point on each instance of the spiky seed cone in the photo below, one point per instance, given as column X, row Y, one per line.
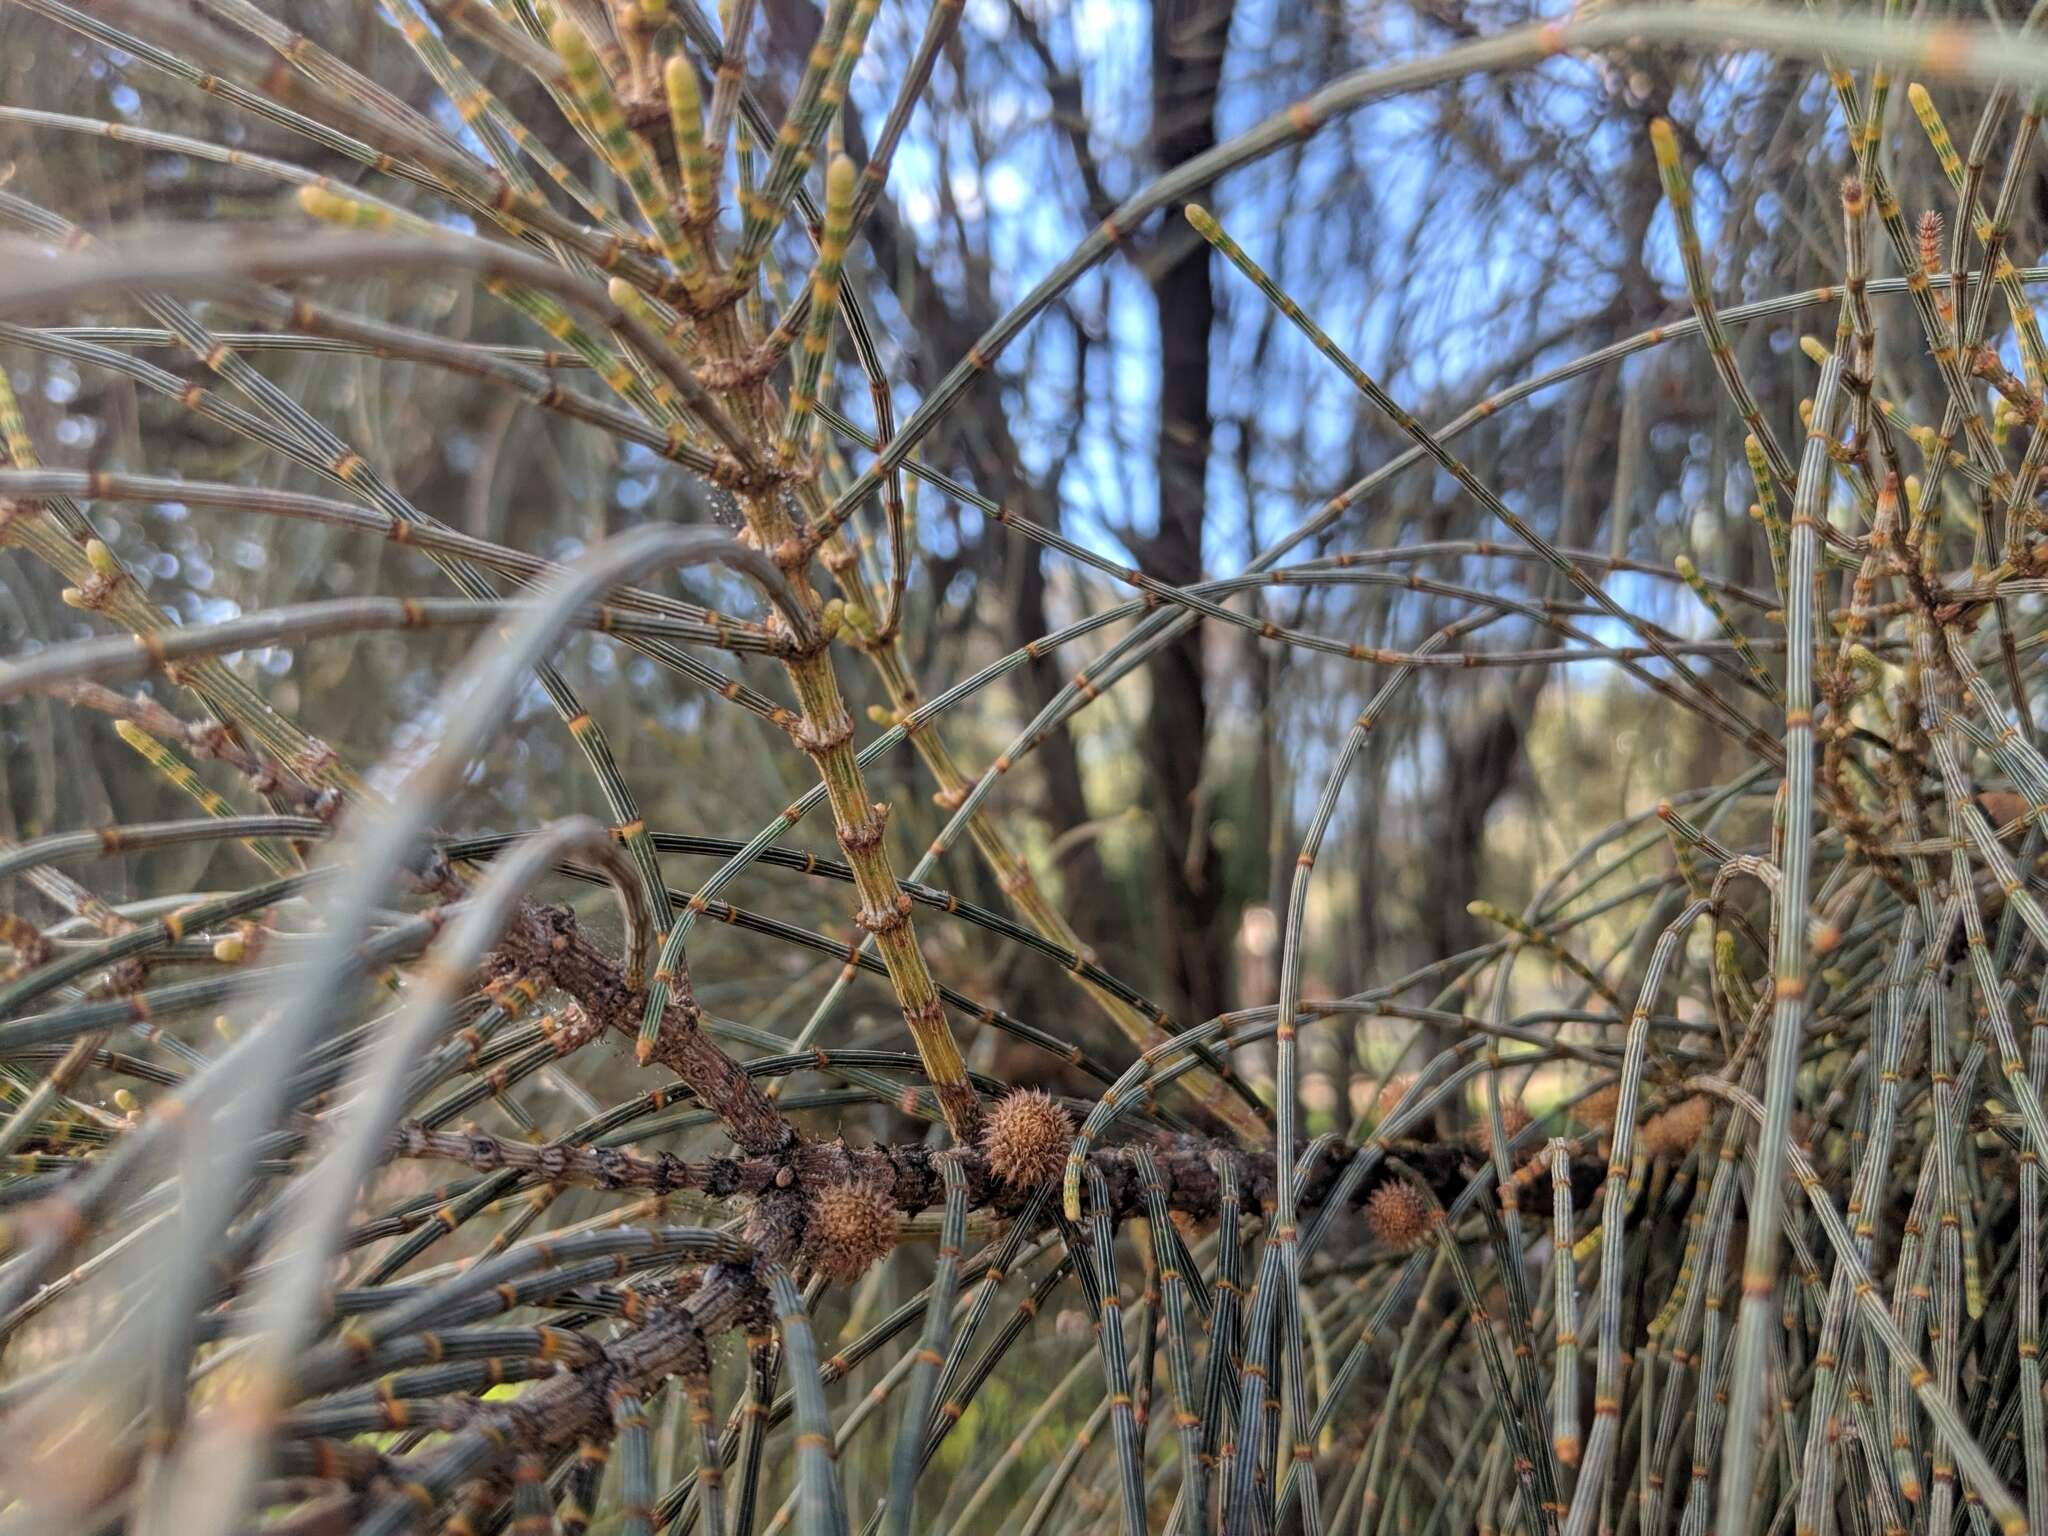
column 1596, row 1109
column 2001, row 806
column 851, row 1226
column 1400, row 1215
column 1513, row 1118
column 1026, row 1138
column 1391, row 1093
column 1679, row 1127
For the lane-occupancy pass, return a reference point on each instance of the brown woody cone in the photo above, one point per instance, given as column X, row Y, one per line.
column 1596, row 1109
column 1513, row 1118
column 1027, row 1137
column 1400, row 1215
column 851, row 1226
column 1675, row 1131
column 1391, row 1093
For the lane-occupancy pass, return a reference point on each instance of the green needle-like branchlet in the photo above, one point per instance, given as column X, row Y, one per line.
column 1699, row 589
column 323, row 1202
column 592, row 92
column 1678, row 195
column 686, row 122
column 810, row 358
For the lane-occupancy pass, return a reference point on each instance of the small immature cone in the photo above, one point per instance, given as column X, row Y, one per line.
column 1596, row 1109
column 1400, row 1215
column 1675, row 1131
column 1391, row 1093
column 1513, row 1118
column 1930, row 241
column 2002, row 806
column 1026, row 1138
column 851, row 1226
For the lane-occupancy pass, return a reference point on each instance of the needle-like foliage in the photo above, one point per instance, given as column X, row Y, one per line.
column 401, row 1173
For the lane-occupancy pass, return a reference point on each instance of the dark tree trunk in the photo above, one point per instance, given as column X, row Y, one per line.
column 1479, row 764
column 1188, row 43
column 1083, row 882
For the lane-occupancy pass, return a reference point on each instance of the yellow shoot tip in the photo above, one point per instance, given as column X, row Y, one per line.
column 680, row 80
column 568, row 40
column 1812, row 347
column 631, row 300
column 133, row 734
column 1203, row 221
column 101, row 559
column 839, row 176
column 1685, row 567
column 1916, row 93
column 333, row 208
column 1664, row 142
column 643, row 1051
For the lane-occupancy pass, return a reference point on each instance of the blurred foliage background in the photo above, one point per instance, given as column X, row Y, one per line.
column 1456, row 240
